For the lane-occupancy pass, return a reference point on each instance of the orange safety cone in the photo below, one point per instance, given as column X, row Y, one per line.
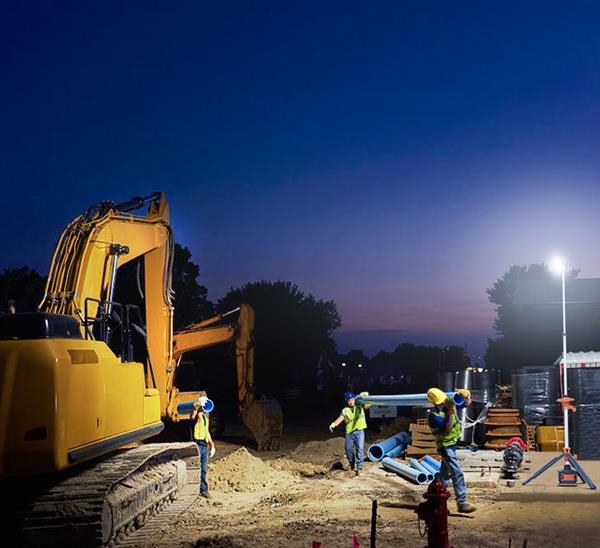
column 355, row 541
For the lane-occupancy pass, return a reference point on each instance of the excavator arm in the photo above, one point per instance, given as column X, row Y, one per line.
column 263, row 417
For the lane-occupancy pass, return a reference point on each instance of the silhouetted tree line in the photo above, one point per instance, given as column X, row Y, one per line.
column 292, row 329
column 408, row 368
column 529, row 322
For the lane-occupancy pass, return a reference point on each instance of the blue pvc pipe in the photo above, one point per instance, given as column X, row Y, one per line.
column 429, row 468
column 378, row 451
column 418, row 466
column 395, row 451
column 408, row 400
column 432, row 462
column 407, row 472
column 187, row 407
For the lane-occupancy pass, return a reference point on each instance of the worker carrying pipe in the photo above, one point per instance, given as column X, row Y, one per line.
column 356, row 424
column 446, row 430
column 201, row 435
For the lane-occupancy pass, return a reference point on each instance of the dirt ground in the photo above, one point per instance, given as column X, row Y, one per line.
column 301, row 494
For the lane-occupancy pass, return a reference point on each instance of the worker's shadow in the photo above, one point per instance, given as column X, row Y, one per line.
column 403, row 505
column 409, row 506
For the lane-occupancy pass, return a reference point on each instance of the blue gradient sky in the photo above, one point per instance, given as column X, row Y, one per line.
column 397, row 159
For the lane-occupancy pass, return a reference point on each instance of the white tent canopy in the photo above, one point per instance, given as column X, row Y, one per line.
column 580, row 359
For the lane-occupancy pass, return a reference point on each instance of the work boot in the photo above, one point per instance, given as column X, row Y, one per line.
column 466, row 508
column 205, row 495
column 357, row 472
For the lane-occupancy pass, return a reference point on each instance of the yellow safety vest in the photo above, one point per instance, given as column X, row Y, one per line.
column 355, row 418
column 201, row 428
column 446, row 439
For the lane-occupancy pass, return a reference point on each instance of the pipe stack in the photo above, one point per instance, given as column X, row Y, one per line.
column 419, row 472
column 390, row 447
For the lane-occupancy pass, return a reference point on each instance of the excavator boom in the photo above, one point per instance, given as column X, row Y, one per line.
column 263, row 417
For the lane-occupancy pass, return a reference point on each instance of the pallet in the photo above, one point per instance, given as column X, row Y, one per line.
column 531, row 441
column 412, row 451
column 421, row 436
column 420, row 428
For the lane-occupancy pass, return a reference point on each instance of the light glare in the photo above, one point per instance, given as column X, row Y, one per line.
column 557, row 265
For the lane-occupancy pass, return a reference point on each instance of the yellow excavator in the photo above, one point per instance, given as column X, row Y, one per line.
column 86, row 376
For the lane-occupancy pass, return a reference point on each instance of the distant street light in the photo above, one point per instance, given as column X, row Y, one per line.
column 360, row 365
column 343, row 364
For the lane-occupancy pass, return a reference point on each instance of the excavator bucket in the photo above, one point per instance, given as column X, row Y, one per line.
column 265, row 419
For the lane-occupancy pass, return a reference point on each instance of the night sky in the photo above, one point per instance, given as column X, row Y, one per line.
column 396, row 157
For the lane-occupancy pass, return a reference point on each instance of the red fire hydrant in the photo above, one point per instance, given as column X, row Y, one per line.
column 434, row 512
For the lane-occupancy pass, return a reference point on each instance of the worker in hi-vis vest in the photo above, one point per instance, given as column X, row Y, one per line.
column 446, row 430
column 201, row 436
column 356, row 424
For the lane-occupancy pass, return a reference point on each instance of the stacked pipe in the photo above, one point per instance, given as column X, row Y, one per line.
column 390, row 447
column 419, row 472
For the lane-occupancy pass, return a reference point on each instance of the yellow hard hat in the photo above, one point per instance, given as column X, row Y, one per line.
column 436, row 396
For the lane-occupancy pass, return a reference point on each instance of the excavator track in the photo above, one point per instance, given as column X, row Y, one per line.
column 101, row 504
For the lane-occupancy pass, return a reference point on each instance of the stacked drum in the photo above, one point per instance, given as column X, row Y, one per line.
column 534, row 392
column 464, row 379
column 584, row 387
column 484, row 384
column 480, row 381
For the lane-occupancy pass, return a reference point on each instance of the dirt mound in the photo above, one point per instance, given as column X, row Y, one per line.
column 399, row 424
column 322, row 453
column 304, row 469
column 242, row 471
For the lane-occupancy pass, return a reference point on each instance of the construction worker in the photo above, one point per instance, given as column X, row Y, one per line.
column 201, row 436
column 446, row 430
column 356, row 424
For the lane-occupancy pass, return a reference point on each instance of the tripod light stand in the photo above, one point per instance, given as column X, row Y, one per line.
column 565, row 400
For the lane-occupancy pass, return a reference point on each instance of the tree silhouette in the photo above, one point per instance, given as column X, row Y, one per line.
column 509, row 349
column 191, row 298
column 291, row 331
column 24, row 286
column 422, row 362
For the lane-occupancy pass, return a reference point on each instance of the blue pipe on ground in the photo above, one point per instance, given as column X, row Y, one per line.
column 430, row 468
column 418, row 466
column 405, row 471
column 397, row 443
column 432, row 462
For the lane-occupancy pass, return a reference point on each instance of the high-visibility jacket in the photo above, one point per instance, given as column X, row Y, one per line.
column 200, row 431
column 445, row 439
column 355, row 418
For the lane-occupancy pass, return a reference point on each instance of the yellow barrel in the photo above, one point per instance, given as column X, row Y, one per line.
column 550, row 438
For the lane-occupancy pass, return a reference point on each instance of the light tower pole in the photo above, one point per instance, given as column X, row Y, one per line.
column 559, row 265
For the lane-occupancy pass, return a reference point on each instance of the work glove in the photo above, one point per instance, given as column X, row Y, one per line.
column 331, row 427
column 464, row 393
column 213, row 450
column 196, row 405
column 364, row 394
